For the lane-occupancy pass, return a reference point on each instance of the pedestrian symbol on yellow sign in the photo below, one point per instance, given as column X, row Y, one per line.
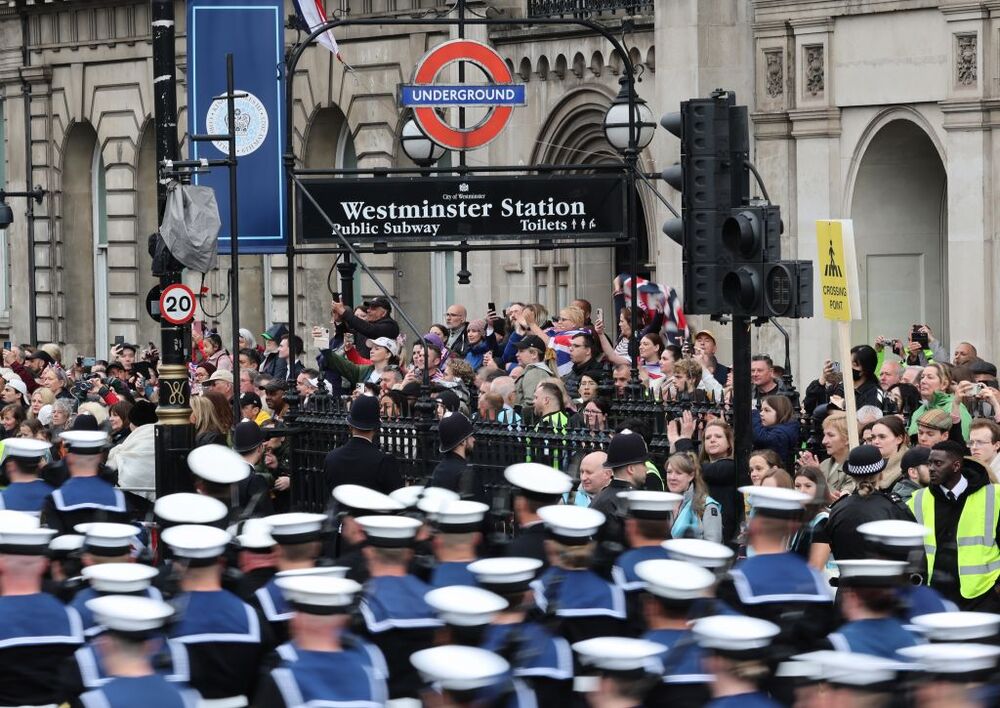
column 839, row 279
column 833, row 270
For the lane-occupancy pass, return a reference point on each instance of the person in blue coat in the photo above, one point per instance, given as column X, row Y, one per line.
column 671, row 590
column 868, row 600
column 37, row 632
column 125, row 649
column 26, row 491
column 737, row 655
column 84, row 497
column 776, row 427
column 458, row 524
column 320, row 665
column 396, row 617
column 777, row 584
column 627, row 668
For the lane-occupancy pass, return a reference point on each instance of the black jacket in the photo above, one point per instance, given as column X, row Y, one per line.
column 591, row 367
column 361, row 462
column 529, row 543
column 455, row 473
column 364, row 329
column 274, row 367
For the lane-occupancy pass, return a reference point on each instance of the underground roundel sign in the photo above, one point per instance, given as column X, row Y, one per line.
column 425, row 96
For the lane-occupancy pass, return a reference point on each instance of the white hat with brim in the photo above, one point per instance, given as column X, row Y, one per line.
column 953, row 659
column 571, row 525
column 465, row 605
column 295, row 527
column 358, row 501
column 460, row 668
column 734, row 635
column 85, row 442
column 196, row 542
column 318, row 594
column 389, row 531
column 956, row 626
column 189, row 508
column 117, row 578
column 698, row 551
column 104, row 538
column 507, row 574
column 218, row 464
column 674, row 580
column 538, row 481
column 25, row 541
column 130, row 614
column 620, row 654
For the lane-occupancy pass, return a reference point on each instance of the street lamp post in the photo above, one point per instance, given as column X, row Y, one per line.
column 628, row 127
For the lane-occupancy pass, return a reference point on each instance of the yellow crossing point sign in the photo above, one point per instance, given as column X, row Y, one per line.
column 838, row 270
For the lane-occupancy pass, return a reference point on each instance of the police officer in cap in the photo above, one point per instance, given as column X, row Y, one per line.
column 535, row 486
column 26, row 491
column 454, row 471
column 37, row 631
column 85, row 496
column 359, row 460
column 125, row 647
column 866, row 503
column 322, row 665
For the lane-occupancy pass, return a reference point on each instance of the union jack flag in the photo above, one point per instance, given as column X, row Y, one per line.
column 313, row 14
column 653, row 298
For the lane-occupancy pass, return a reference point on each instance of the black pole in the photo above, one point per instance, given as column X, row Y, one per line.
column 174, row 432
column 234, row 240
column 347, row 268
column 29, row 170
column 742, row 400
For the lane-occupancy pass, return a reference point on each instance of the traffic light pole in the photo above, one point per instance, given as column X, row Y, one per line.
column 742, row 397
column 174, row 433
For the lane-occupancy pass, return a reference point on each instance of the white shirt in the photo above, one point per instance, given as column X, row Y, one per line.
column 960, row 486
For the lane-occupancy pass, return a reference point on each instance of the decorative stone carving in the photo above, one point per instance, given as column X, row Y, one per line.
column 775, row 73
column 815, row 74
column 966, row 69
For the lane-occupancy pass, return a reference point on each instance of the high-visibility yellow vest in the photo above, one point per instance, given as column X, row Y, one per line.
column 978, row 554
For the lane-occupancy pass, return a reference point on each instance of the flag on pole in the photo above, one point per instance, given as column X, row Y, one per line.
column 313, row 14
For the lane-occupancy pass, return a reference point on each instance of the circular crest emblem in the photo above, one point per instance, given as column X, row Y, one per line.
column 251, row 123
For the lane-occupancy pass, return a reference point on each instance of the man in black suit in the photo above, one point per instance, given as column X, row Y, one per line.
column 359, row 461
column 535, row 485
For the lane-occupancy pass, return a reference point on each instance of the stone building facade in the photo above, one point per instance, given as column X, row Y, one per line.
column 881, row 111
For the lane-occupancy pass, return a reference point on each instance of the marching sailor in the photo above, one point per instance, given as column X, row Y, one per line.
column 85, row 496
column 26, row 491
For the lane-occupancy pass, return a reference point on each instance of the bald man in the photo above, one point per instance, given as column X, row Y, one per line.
column 964, row 353
column 594, row 477
column 889, row 375
column 456, row 320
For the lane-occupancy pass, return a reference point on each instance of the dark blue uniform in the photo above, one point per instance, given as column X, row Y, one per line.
column 224, row 641
column 83, row 500
column 586, row 604
column 623, row 572
column 783, row 589
column 878, row 637
column 353, row 677
column 151, row 691
column 685, row 681
column 25, row 496
column 922, row 600
column 87, row 671
column 275, row 609
column 744, row 700
column 452, row 573
column 400, row 623
column 542, row 663
column 36, row 633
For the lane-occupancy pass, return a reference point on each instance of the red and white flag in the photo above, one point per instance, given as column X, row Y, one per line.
column 313, row 15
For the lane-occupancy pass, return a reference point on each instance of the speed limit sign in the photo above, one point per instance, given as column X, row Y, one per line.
column 177, row 304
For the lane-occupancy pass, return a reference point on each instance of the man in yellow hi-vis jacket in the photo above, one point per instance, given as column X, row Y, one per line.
column 961, row 510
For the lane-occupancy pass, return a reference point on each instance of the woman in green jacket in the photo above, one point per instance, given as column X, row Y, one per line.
column 935, row 382
column 383, row 353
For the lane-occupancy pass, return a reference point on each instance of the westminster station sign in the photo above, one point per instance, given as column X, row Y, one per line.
column 498, row 208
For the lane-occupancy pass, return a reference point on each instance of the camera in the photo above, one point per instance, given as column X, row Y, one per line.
column 977, row 388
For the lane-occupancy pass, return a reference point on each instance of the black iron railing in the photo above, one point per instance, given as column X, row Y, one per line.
column 587, row 8
column 321, row 426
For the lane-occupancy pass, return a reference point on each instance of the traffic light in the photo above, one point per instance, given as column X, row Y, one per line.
column 731, row 243
column 711, row 180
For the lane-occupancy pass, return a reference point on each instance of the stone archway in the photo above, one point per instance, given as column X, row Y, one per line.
column 900, row 210
column 573, row 134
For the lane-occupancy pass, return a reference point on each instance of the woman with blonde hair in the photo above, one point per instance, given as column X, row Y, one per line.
column 699, row 516
column 41, row 396
column 208, row 428
column 935, row 391
column 837, row 444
